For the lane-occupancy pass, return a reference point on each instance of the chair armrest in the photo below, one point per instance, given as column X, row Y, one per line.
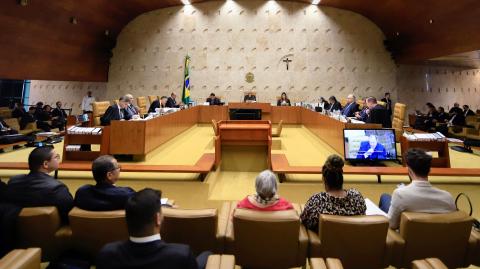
column 317, row 263
column 302, row 245
column 394, row 249
column 333, row 263
column 222, row 224
column 315, row 249
column 229, row 235
column 220, row 262
column 430, row 263
column 473, row 251
column 297, row 208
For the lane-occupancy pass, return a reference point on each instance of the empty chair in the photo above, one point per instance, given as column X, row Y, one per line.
column 99, row 109
column 22, row 259
column 430, row 263
column 358, row 241
column 328, row 263
column 273, row 239
column 398, row 119
column 444, row 236
column 91, row 230
column 201, row 229
column 220, row 262
column 278, row 131
column 142, row 104
column 41, row 227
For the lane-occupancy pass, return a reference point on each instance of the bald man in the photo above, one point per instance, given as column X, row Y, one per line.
column 351, row 107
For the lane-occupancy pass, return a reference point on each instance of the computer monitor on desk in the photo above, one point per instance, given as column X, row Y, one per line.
column 245, row 114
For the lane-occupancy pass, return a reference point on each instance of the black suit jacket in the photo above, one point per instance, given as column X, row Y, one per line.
column 113, row 113
column 18, row 112
column 250, row 98
column 155, row 104
column 156, row 254
column 213, row 101
column 388, row 105
column 378, row 114
column 102, row 197
column 171, row 102
column 468, row 112
column 335, row 106
column 39, row 189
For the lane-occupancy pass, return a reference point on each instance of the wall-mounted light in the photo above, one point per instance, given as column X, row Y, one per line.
column 23, row 2
column 73, row 20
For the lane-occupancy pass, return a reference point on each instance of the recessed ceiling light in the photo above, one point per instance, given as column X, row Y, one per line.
column 186, row 2
column 316, row 2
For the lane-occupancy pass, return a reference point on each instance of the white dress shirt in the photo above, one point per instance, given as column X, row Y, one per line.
column 146, row 239
column 87, row 103
column 419, row 196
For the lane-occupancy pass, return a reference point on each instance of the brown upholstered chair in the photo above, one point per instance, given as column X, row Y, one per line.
column 444, row 236
column 201, row 229
column 220, row 262
column 14, row 123
column 41, row 227
column 22, row 259
column 278, row 131
column 5, row 112
column 152, row 98
column 142, row 104
column 358, row 241
column 399, row 119
column 476, row 252
column 329, row 263
column 274, row 239
column 99, row 109
column 91, row 230
column 215, row 127
column 430, row 263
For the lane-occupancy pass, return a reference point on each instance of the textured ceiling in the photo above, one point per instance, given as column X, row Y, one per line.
column 39, row 40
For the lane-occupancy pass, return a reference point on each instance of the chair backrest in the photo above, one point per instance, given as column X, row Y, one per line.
column 37, row 227
column 194, row 227
column 444, row 236
column 152, row 98
column 13, row 123
column 358, row 241
column 279, row 128
column 91, row 230
column 142, row 104
column 215, row 127
column 430, row 263
column 266, row 239
column 399, row 111
column 99, row 109
column 22, row 259
column 6, row 113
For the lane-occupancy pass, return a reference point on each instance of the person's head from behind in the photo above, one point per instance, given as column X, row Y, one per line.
column 266, row 185
column 43, row 159
column 441, row 109
column 332, row 100
column 143, row 213
column 283, row 96
column 350, row 98
column 372, row 140
column 332, row 173
column 418, row 163
column 163, row 100
column 105, row 169
column 371, row 102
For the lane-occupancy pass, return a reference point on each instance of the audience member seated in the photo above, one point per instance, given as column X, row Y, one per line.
column 171, row 102
column 335, row 200
column 377, row 113
column 427, row 122
column 145, row 249
column 467, row 111
column 28, row 117
column 388, row 104
column 38, row 188
column 250, row 97
column 283, row 101
column 324, row 103
column 419, row 195
column 334, row 104
column 442, row 116
column 351, row 107
column 363, row 114
column 116, row 112
column 59, row 116
column 132, row 110
column 44, row 117
column 162, row 103
column 213, row 100
column 104, row 196
column 455, row 109
column 18, row 110
column 266, row 198
column 5, row 129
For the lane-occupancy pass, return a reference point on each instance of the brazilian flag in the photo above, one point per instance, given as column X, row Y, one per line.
column 186, row 82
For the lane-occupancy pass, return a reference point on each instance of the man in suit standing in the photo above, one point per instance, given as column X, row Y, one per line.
column 104, row 196
column 162, row 103
column 377, row 113
column 116, row 112
column 171, row 102
column 145, row 248
column 388, row 104
column 38, row 188
column 351, row 107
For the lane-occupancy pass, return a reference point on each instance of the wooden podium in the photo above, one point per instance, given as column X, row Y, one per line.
column 441, row 147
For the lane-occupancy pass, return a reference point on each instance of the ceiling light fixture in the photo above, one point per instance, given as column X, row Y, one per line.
column 316, row 2
column 186, row 2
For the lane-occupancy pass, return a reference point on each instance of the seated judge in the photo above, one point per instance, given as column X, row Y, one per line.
column 324, row 104
column 132, row 109
column 467, row 111
column 145, row 248
column 116, row 112
column 162, row 103
column 351, row 107
column 335, row 200
column 377, row 113
column 362, row 114
column 172, row 102
column 266, row 198
column 213, row 100
column 372, row 150
column 38, row 188
column 283, row 101
column 250, row 97
column 104, row 195
column 334, row 104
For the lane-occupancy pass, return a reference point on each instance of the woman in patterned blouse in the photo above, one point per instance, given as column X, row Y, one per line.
column 335, row 200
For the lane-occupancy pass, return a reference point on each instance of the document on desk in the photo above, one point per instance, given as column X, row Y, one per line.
column 373, row 209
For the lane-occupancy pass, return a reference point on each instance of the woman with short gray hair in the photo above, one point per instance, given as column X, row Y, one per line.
column 266, row 198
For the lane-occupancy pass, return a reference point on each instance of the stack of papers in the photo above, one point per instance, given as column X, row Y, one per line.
column 373, row 209
column 72, row 148
column 84, row 130
column 425, row 137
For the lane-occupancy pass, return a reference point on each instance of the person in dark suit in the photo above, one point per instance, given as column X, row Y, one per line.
column 283, row 101
column 371, row 150
column 388, row 103
column 250, row 97
column 131, row 109
column 18, row 111
column 467, row 111
column 213, row 100
column 162, row 103
column 455, row 109
column 351, row 107
column 59, row 116
column 28, row 118
column 442, row 115
column 171, row 102
column 377, row 113
column 104, row 196
column 145, row 249
column 38, row 188
column 334, row 104
column 362, row 114
column 326, row 105
column 44, row 117
column 116, row 112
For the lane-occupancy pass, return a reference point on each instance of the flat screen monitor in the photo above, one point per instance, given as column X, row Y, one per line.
column 369, row 145
column 245, row 114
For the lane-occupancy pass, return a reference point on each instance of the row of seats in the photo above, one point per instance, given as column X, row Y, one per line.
column 269, row 239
